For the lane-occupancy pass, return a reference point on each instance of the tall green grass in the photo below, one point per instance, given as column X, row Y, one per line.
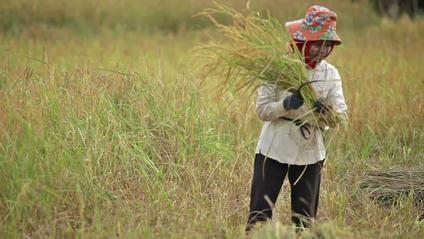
column 106, row 136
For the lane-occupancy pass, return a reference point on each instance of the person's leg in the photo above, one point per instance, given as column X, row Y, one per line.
column 305, row 183
column 268, row 176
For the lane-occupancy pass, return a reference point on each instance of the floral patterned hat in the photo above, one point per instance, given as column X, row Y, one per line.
column 319, row 24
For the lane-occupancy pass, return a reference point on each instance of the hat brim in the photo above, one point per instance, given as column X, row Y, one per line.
column 297, row 32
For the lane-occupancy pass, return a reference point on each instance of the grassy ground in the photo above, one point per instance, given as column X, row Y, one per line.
column 108, row 130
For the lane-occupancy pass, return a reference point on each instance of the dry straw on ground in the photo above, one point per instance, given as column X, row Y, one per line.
column 387, row 186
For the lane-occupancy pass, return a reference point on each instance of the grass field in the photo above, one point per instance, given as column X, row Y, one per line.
column 108, row 129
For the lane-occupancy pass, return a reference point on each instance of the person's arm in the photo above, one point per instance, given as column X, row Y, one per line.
column 336, row 98
column 270, row 106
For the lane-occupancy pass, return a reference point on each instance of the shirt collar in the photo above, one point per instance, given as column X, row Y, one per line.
column 319, row 67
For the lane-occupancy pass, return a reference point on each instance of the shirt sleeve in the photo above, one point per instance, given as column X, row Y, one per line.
column 336, row 97
column 269, row 104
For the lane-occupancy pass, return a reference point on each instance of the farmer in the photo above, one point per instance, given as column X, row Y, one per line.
column 286, row 145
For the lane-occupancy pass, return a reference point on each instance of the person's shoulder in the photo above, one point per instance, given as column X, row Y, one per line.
column 328, row 66
column 330, row 69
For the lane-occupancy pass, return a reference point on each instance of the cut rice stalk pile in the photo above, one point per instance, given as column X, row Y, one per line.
column 256, row 49
column 388, row 186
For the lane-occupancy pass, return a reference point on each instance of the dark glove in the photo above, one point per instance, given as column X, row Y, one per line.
column 320, row 106
column 293, row 101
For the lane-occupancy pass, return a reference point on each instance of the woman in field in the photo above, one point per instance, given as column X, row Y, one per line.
column 286, row 147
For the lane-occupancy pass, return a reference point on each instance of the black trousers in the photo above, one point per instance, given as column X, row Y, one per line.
column 268, row 177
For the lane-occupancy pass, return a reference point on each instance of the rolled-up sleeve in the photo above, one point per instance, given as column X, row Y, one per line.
column 269, row 105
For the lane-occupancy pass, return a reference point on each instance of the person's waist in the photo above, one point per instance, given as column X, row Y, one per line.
column 297, row 122
column 305, row 128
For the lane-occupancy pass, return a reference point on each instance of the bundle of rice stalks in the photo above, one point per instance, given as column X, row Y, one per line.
column 255, row 49
column 388, row 186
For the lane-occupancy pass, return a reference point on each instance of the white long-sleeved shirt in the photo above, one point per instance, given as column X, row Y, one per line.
column 281, row 139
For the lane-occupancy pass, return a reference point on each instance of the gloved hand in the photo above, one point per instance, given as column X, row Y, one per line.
column 293, row 101
column 320, row 106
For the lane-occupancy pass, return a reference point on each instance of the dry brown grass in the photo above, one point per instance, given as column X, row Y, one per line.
column 86, row 152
